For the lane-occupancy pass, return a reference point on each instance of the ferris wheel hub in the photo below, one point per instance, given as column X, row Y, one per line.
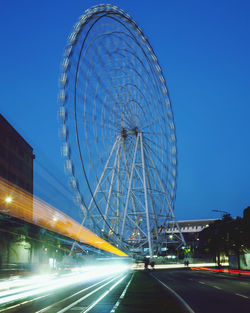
column 129, row 132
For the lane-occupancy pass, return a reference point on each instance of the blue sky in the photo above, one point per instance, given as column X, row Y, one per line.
column 203, row 48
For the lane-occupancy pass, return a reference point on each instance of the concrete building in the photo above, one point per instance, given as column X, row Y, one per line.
column 16, row 168
column 16, row 157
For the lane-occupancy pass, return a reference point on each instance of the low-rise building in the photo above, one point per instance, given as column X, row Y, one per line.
column 16, row 157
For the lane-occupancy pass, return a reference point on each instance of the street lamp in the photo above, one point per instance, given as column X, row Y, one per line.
column 221, row 211
column 225, row 213
column 8, row 199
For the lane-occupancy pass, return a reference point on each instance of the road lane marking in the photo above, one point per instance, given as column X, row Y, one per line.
column 243, row 296
column 181, row 300
column 23, row 303
column 201, row 282
column 121, row 296
column 71, row 296
column 85, row 296
column 103, row 295
column 244, row 283
column 217, row 287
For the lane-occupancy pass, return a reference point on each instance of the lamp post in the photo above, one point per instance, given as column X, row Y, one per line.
column 221, row 211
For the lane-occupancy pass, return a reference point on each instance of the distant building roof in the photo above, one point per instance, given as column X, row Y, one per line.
column 190, row 226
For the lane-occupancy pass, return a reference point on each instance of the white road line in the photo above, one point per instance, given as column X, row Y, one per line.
column 73, row 295
column 181, row 300
column 201, row 282
column 25, row 302
column 217, row 287
column 121, row 296
column 86, row 296
column 103, row 295
column 243, row 296
column 244, row 283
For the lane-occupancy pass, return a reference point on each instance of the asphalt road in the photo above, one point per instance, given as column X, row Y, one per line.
column 208, row 292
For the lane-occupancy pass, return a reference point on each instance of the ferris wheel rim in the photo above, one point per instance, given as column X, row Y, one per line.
column 89, row 15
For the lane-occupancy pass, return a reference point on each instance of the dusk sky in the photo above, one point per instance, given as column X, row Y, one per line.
column 203, row 48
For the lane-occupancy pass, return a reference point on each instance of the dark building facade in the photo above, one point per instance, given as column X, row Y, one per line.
column 190, row 230
column 16, row 157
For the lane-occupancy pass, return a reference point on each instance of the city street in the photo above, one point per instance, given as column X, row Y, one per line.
column 208, row 292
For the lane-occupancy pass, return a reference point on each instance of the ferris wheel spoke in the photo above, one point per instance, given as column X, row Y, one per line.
column 157, row 158
column 140, row 77
column 133, row 67
column 156, row 120
column 153, row 143
column 153, row 134
column 104, row 105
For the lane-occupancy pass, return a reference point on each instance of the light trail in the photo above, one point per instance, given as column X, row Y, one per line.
column 22, row 303
column 86, row 296
column 31, row 209
column 103, row 295
column 23, row 284
column 71, row 296
column 222, row 270
column 55, row 283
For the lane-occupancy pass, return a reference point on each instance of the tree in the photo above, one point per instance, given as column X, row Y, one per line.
column 225, row 236
column 246, row 226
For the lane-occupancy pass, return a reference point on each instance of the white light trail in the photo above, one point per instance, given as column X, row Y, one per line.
column 71, row 296
column 39, row 285
column 103, row 295
column 85, row 296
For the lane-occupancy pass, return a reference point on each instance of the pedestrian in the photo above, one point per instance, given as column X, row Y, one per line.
column 152, row 264
column 146, row 263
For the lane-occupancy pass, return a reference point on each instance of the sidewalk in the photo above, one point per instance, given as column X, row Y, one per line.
column 146, row 295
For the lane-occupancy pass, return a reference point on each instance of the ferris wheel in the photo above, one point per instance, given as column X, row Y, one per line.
column 118, row 130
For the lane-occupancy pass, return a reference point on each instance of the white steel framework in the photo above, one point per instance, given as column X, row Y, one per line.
column 132, row 212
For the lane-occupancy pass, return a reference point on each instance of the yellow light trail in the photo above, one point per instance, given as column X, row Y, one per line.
column 33, row 210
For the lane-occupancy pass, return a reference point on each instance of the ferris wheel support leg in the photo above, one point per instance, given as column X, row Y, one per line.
column 111, row 186
column 152, row 206
column 103, row 173
column 129, row 187
column 118, row 191
column 146, row 198
column 127, row 172
column 169, row 205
